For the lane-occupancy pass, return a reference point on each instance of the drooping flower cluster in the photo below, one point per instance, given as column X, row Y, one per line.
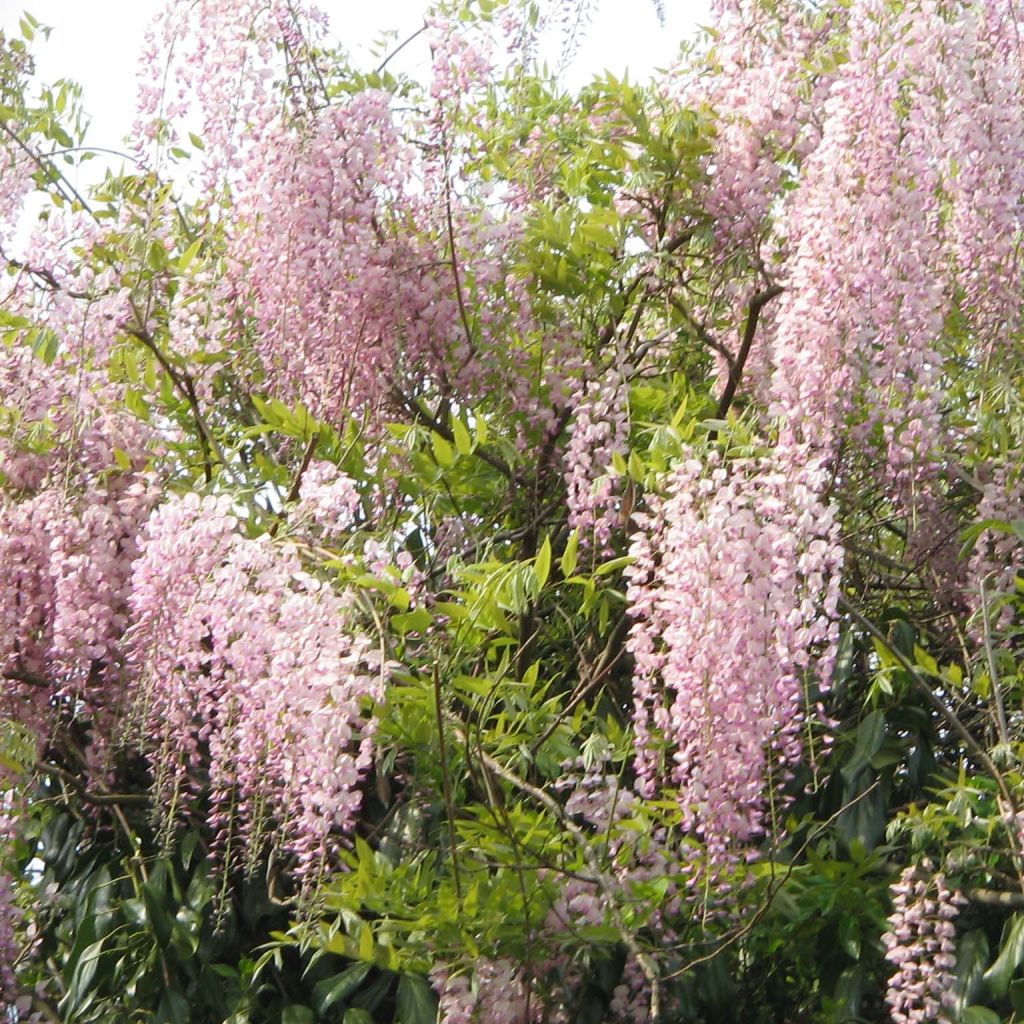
column 760, row 94
column 69, row 517
column 905, row 207
column 250, row 670
column 496, row 994
column 327, row 496
column 600, row 430
column 339, row 295
column 882, row 219
column 998, row 556
column 9, row 945
column 733, row 592
column 921, row 944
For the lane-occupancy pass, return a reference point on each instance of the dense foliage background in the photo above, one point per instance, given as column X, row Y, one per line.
column 475, row 552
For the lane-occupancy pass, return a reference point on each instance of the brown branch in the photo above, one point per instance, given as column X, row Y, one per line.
column 450, row 223
column 182, row 380
column 754, row 308
column 677, row 241
column 608, row 659
column 28, row 678
column 420, row 415
column 55, row 177
column 995, row 898
column 90, row 797
column 774, row 889
column 307, row 458
column 44, row 274
column 702, row 332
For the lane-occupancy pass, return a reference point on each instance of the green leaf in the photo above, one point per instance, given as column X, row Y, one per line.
column 443, row 451
column 137, row 405
column 81, row 979
column 614, row 565
column 1011, row 953
column 357, row 1016
column 186, row 258
column 570, row 555
column 980, row 1015
column 542, row 564
column 296, row 1013
column 870, row 736
column 339, row 986
column 848, row 992
column 925, row 660
column 416, row 621
column 173, row 1008
column 972, row 954
column 849, row 936
column 159, row 918
column 416, row 1003
column 463, row 442
column 366, row 945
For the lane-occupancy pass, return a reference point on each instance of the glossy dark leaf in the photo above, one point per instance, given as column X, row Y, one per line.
column 338, row 987
column 416, row 1002
column 1011, row 953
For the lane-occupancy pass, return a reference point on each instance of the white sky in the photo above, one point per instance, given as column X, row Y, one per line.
column 95, row 42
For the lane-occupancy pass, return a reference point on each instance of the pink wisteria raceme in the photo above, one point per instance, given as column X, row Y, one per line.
column 735, row 602
column 253, row 671
column 921, row 944
column 327, row 497
column 344, row 296
column 599, row 431
column 998, row 556
column 905, row 204
column 760, row 94
column 496, row 994
column 70, row 513
column 878, row 218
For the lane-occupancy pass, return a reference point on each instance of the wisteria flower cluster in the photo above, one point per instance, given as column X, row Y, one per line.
column 600, row 430
column 921, row 944
column 733, row 591
column 251, row 669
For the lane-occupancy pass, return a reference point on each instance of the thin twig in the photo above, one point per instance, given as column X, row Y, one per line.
column 182, row 380
column 447, row 784
column 419, row 414
column 949, row 716
column 609, row 658
column 55, row 177
column 607, row 885
column 774, row 890
column 398, row 49
column 90, row 797
column 993, row 674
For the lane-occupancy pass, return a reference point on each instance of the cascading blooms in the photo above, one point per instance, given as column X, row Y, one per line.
column 733, row 588
column 922, row 946
column 348, row 446
column 879, row 213
column 246, row 663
